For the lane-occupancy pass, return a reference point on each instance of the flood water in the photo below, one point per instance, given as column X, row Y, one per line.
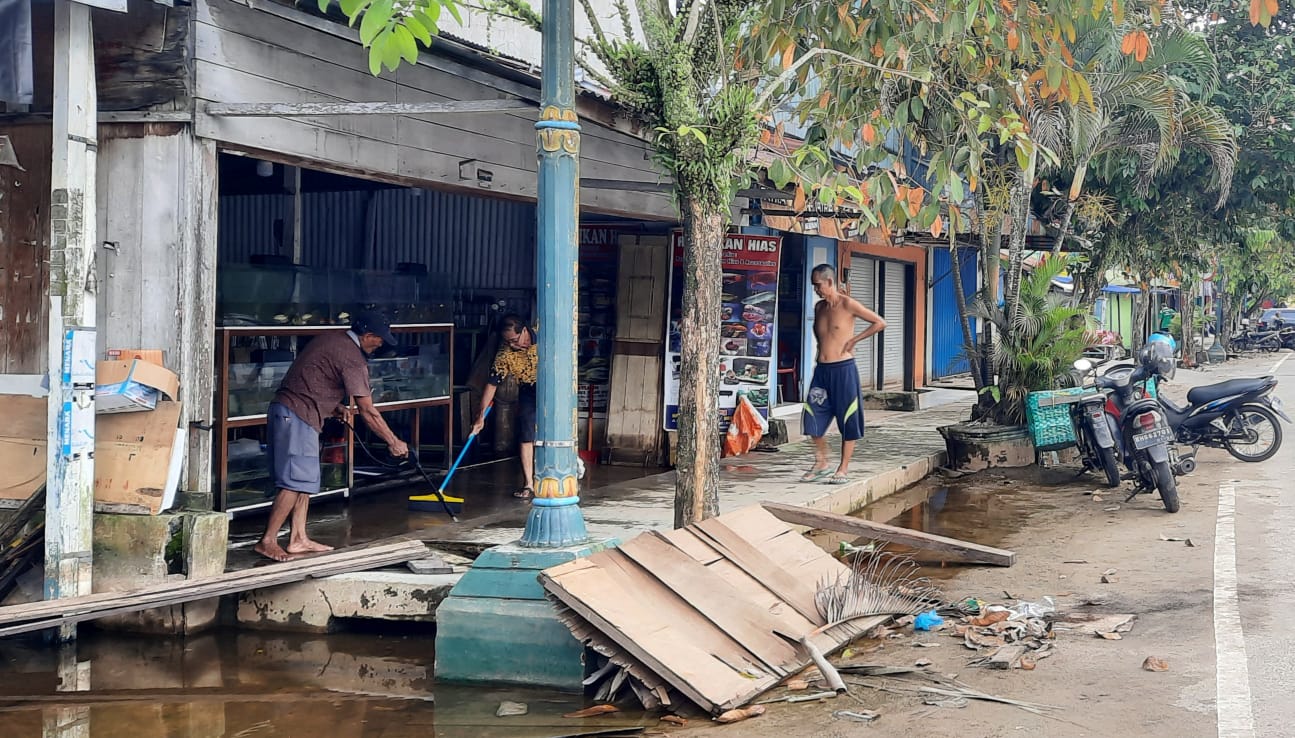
column 251, row 684
column 258, row 685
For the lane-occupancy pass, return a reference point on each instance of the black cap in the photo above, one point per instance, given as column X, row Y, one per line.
column 372, row 321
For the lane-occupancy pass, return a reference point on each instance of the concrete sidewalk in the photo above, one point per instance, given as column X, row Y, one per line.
column 898, row 449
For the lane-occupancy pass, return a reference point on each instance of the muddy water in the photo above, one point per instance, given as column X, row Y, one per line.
column 987, row 509
column 253, row 685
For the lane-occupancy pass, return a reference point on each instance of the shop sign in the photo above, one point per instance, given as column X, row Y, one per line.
column 748, row 322
column 596, row 314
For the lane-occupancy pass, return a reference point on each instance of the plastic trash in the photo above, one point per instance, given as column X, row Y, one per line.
column 745, row 430
column 927, row 621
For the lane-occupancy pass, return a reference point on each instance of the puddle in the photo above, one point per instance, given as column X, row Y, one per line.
column 986, row 509
column 239, row 684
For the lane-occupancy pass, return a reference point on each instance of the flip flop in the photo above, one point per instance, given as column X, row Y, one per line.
column 525, row 493
column 838, row 479
column 813, row 475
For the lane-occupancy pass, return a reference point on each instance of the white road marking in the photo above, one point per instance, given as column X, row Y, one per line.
column 1279, row 363
column 1236, row 715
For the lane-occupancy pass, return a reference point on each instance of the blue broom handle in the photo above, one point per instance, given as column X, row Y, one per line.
column 464, row 451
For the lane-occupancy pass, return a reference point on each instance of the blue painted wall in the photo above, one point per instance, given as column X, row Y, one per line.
column 947, row 357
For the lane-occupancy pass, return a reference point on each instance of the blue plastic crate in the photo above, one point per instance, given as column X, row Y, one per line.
column 1050, row 420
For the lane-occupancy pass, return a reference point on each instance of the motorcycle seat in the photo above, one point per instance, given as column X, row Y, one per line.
column 1211, row 392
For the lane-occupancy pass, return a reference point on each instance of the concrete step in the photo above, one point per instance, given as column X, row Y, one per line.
column 317, row 605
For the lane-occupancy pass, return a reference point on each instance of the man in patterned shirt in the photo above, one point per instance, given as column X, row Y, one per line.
column 517, row 358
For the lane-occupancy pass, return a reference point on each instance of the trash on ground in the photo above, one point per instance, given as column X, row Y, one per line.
column 924, row 644
column 740, row 714
column 1093, row 624
column 1177, row 539
column 860, row 716
column 956, row 703
column 927, row 621
column 1097, row 498
column 592, row 711
column 511, row 709
column 1154, row 664
column 922, row 663
column 673, row 720
column 1110, row 579
column 1076, row 561
column 797, row 685
column 1112, row 508
column 816, row 697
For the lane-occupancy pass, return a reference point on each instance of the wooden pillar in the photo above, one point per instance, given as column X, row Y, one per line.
column 72, row 313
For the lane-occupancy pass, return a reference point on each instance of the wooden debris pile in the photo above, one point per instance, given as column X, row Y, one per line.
column 712, row 613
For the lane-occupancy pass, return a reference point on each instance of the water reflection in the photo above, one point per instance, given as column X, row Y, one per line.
column 254, row 685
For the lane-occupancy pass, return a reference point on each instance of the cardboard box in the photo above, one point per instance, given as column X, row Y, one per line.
column 149, row 355
column 138, row 456
column 130, row 386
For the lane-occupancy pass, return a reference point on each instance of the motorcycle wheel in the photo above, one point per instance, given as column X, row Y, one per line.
column 1167, row 485
column 1260, row 419
column 1110, row 466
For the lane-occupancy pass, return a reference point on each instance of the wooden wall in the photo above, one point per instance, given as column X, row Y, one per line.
column 157, row 273
column 24, row 252
column 269, row 53
column 634, row 428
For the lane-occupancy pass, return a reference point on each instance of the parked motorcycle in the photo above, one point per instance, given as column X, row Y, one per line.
column 1144, row 439
column 1239, row 415
column 1095, row 433
column 1248, row 339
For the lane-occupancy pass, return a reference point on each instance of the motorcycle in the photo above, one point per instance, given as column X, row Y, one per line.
column 1249, row 339
column 1238, row 415
column 1144, row 441
column 1095, row 431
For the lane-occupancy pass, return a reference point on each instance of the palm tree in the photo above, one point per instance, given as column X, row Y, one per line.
column 1152, row 108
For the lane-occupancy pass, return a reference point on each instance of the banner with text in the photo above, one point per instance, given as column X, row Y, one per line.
column 748, row 319
column 596, row 315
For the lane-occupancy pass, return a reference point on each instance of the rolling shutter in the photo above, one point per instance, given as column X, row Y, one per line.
column 863, row 287
column 894, row 301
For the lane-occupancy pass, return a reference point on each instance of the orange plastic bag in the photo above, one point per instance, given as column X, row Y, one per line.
column 746, row 430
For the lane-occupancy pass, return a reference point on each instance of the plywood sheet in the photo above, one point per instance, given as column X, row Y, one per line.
column 714, row 610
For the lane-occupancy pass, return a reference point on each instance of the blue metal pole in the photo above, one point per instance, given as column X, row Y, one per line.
column 555, row 519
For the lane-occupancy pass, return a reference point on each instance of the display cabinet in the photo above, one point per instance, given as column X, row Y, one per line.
column 413, row 376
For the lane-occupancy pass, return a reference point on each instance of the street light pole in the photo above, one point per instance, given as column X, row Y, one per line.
column 555, row 519
column 496, row 625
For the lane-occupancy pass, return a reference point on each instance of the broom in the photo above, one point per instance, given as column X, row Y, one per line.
column 451, row 505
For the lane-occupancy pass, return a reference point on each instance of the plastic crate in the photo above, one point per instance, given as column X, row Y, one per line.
column 1050, row 420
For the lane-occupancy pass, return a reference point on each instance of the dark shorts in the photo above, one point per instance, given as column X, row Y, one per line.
column 293, row 452
column 526, row 413
column 834, row 392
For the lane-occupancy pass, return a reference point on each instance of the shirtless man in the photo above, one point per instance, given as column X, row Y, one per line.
column 834, row 391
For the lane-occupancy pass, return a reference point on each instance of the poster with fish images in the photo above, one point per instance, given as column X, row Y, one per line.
column 748, row 319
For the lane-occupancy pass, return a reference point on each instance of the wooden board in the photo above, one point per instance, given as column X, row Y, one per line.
column 960, row 550
column 707, row 609
column 49, row 614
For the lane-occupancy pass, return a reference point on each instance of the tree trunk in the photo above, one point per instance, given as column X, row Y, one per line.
column 1019, row 214
column 1072, row 200
column 991, row 247
column 1141, row 309
column 697, row 463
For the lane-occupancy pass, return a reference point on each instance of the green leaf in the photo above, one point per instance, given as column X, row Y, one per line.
column 405, row 44
column 323, row 5
column 391, row 49
column 419, row 30
column 1022, row 158
column 917, row 108
column 983, row 124
column 351, row 8
column 375, row 20
column 956, row 192
column 450, row 6
column 375, row 60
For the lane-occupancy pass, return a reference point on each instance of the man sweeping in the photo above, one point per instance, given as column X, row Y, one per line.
column 834, row 390
column 330, row 373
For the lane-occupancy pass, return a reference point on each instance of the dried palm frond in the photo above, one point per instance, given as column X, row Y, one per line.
column 879, row 583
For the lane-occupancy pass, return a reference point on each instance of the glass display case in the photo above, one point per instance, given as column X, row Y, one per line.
column 290, row 295
column 412, row 378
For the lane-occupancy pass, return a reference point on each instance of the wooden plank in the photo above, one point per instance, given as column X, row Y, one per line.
column 752, row 589
column 670, row 637
column 24, row 238
column 261, row 110
column 796, row 593
column 714, row 598
column 962, row 550
column 41, row 615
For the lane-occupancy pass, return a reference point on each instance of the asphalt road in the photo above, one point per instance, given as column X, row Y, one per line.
column 1220, row 611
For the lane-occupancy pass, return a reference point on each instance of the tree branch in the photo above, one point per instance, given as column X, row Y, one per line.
column 790, row 72
column 695, row 9
column 597, row 27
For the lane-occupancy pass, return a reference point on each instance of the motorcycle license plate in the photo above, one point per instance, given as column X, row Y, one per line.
column 1152, row 437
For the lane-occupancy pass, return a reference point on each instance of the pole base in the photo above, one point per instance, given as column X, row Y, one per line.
column 496, row 625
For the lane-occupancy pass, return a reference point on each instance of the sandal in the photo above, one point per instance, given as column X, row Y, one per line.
column 525, row 493
column 813, row 475
column 838, row 479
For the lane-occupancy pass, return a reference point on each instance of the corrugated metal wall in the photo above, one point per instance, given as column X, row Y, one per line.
column 475, row 242
column 947, row 358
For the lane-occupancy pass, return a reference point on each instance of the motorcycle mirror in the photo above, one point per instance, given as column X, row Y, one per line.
column 1084, row 365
